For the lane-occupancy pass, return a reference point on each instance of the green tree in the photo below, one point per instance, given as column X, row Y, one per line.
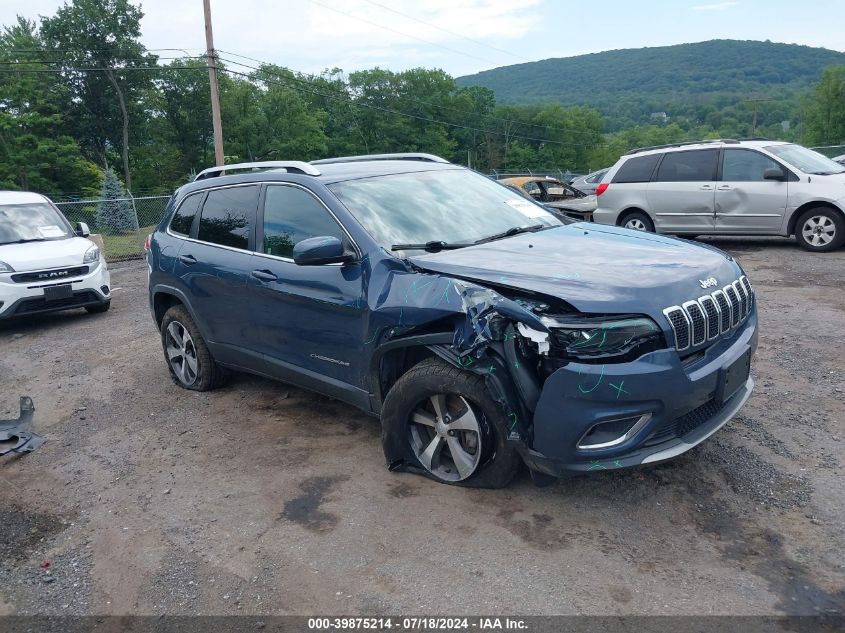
column 825, row 109
column 115, row 213
column 101, row 34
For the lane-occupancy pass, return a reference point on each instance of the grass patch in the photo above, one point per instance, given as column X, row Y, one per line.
column 126, row 245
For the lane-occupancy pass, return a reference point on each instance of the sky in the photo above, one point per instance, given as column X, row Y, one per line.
column 461, row 36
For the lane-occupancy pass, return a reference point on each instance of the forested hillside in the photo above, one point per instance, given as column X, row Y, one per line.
column 690, row 80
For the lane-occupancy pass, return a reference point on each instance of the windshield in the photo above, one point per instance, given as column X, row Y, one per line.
column 33, row 222
column 455, row 207
column 806, row 160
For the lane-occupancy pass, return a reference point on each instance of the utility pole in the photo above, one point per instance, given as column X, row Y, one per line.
column 212, row 80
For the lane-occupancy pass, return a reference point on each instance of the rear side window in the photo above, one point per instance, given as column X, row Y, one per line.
column 637, row 169
column 183, row 219
column 695, row 166
column 292, row 215
column 745, row 165
column 228, row 216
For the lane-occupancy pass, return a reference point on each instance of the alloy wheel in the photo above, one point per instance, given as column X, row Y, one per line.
column 636, row 224
column 446, row 437
column 181, row 353
column 818, row 230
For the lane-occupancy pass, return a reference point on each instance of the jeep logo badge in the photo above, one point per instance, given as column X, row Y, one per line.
column 708, row 283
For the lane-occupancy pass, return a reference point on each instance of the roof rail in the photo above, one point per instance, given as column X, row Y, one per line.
column 431, row 158
column 731, row 141
column 291, row 166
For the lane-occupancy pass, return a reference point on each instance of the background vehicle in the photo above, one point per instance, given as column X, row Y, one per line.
column 45, row 264
column 588, row 183
column 556, row 195
column 481, row 330
column 728, row 187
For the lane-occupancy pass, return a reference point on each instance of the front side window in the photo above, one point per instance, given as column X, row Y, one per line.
column 228, row 216
column 183, row 219
column 745, row 165
column 637, row 169
column 456, row 206
column 806, row 160
column 292, row 215
column 31, row 222
column 695, row 166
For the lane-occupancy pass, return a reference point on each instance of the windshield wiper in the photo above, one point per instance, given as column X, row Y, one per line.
column 514, row 230
column 24, row 240
column 433, row 246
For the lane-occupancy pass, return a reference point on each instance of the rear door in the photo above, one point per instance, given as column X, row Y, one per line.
column 681, row 196
column 309, row 318
column 213, row 267
column 745, row 201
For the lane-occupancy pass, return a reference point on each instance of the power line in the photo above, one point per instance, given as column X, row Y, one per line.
column 403, row 34
column 439, row 28
column 103, row 70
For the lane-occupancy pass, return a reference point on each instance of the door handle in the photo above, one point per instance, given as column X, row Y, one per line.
column 725, row 188
column 707, row 187
column 264, row 275
column 188, row 260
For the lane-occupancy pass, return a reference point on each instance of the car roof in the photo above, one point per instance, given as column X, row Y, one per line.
column 692, row 145
column 21, row 197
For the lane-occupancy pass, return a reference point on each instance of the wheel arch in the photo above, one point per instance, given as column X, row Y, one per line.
column 623, row 215
column 164, row 297
column 815, row 204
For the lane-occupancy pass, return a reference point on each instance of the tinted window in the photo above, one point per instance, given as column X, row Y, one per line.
column 694, row 166
column 637, row 169
column 292, row 215
column 183, row 219
column 743, row 165
column 228, row 216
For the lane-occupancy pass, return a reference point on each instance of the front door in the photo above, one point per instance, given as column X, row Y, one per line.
column 682, row 193
column 745, row 201
column 309, row 318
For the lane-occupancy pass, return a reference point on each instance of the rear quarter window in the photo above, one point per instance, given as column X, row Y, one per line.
column 183, row 219
column 637, row 169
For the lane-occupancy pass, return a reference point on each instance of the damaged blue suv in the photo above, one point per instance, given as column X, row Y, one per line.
column 483, row 331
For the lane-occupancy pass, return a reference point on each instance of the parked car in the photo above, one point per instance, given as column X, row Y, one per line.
column 46, row 264
column 728, row 187
column 558, row 196
column 480, row 329
column 590, row 182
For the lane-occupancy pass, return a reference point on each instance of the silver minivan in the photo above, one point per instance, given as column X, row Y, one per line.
column 728, row 187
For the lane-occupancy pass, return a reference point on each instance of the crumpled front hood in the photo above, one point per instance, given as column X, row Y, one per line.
column 595, row 268
column 42, row 255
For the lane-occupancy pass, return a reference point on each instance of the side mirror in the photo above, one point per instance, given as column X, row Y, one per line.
column 82, row 229
column 316, row 251
column 774, row 173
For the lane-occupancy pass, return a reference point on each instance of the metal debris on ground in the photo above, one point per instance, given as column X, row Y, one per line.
column 15, row 435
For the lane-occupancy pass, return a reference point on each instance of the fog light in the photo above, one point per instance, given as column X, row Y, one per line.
column 105, row 289
column 612, row 432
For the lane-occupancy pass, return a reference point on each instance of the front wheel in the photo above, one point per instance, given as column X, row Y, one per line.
column 821, row 230
column 638, row 221
column 443, row 423
column 99, row 308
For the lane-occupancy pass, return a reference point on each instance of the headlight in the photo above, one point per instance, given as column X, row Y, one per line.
column 603, row 339
column 5, row 268
column 92, row 255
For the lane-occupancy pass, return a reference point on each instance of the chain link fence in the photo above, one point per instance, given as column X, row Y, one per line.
column 122, row 223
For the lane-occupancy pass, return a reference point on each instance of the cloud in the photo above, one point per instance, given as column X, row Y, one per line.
column 719, row 6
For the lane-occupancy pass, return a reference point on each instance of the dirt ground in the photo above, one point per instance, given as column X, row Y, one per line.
column 261, row 498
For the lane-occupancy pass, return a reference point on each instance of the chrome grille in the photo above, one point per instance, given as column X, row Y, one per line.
column 707, row 317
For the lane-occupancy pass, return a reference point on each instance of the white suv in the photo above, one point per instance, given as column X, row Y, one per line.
column 45, row 264
column 728, row 187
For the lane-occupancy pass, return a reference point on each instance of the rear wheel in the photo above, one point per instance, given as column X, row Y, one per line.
column 99, row 308
column 820, row 229
column 444, row 423
column 188, row 359
column 638, row 221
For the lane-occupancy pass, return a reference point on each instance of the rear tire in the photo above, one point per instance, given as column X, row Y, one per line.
column 99, row 308
column 445, row 425
column 820, row 230
column 190, row 363
column 637, row 221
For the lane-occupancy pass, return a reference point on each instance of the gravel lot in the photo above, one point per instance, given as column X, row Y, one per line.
column 261, row 498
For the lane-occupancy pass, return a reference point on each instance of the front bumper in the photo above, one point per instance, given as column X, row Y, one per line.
column 23, row 299
column 684, row 402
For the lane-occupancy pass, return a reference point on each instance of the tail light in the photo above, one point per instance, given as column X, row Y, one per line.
column 601, row 188
column 147, row 243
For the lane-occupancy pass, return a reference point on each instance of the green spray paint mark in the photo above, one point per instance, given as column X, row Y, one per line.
column 582, row 389
column 512, row 417
column 620, row 388
column 594, row 465
column 491, row 369
column 617, row 463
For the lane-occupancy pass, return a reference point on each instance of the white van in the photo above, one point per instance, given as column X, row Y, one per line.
column 46, row 264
